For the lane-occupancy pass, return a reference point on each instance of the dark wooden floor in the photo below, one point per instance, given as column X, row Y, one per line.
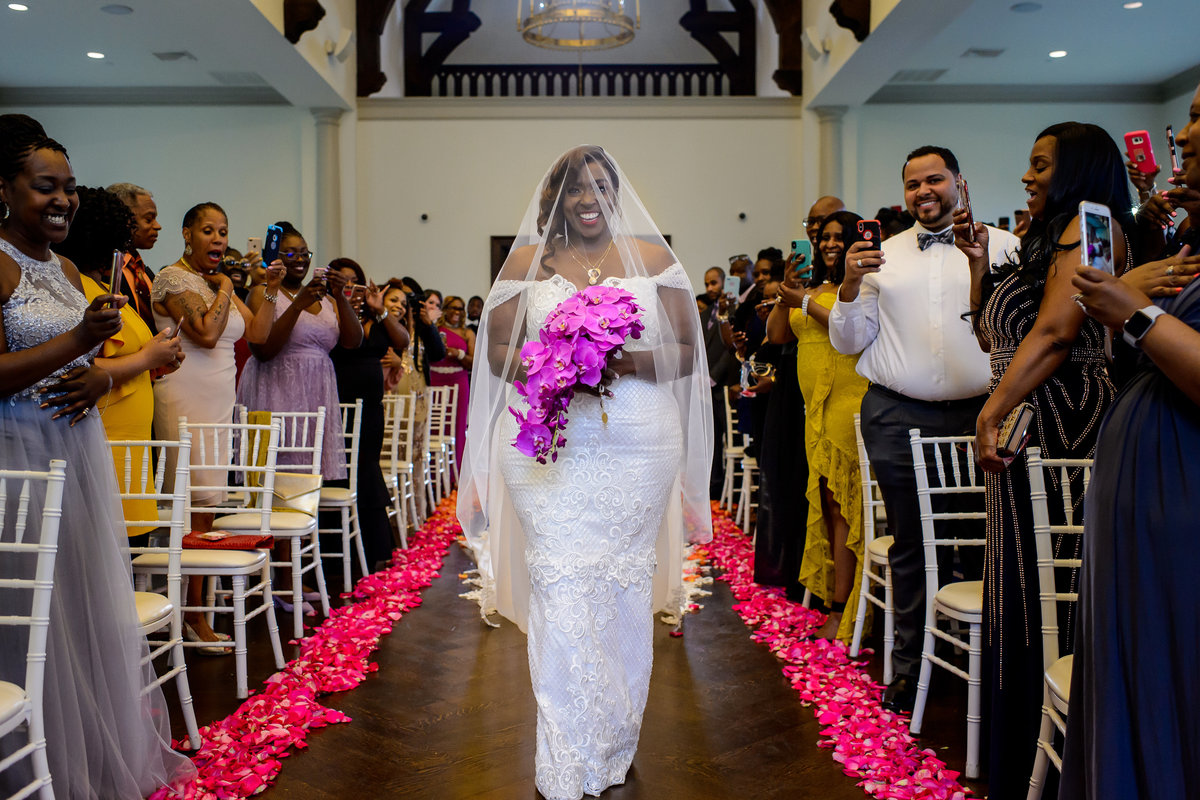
column 450, row 715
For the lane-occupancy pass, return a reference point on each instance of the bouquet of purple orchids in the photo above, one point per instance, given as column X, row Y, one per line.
column 572, row 350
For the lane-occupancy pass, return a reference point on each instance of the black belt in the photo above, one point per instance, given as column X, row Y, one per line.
column 945, row 404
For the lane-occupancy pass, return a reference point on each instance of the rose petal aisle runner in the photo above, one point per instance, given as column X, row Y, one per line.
column 870, row 743
column 240, row 755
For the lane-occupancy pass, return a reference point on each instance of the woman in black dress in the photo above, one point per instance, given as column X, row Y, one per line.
column 360, row 376
column 1133, row 731
column 1045, row 351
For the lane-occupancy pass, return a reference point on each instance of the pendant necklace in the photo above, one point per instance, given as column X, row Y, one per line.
column 593, row 270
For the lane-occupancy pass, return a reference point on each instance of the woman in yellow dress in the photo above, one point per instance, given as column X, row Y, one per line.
column 833, row 393
column 102, row 225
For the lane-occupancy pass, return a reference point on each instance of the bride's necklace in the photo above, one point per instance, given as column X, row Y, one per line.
column 593, row 270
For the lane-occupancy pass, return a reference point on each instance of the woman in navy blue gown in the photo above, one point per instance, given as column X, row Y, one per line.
column 1133, row 730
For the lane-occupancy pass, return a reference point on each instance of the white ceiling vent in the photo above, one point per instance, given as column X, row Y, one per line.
column 983, row 52
column 175, row 55
column 917, row 76
column 238, row 78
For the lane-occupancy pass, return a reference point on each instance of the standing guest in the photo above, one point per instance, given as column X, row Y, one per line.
column 454, row 369
column 291, row 370
column 429, row 347
column 474, row 309
column 102, row 225
column 1133, row 729
column 1046, row 351
column 833, row 393
column 136, row 278
column 723, row 368
column 780, row 537
column 107, row 734
column 925, row 367
column 360, row 376
column 194, row 294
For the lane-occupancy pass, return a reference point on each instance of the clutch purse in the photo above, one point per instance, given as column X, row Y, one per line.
column 1014, row 431
column 295, row 491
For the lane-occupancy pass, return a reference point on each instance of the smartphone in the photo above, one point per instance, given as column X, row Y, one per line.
column 1095, row 240
column 1004, row 224
column 802, row 248
column 964, row 198
column 1171, row 147
column 114, row 277
column 270, row 250
column 1137, row 147
column 733, row 286
column 869, row 231
column 319, row 274
column 254, row 245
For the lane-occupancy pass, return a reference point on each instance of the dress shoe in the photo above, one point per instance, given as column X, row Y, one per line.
column 216, row 649
column 900, row 695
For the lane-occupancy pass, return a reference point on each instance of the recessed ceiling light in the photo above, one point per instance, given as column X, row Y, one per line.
column 1132, row 6
column 1058, row 53
column 18, row 6
column 1025, row 8
column 116, row 9
column 94, row 54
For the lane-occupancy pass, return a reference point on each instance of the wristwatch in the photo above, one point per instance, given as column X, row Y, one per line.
column 1138, row 325
column 381, row 317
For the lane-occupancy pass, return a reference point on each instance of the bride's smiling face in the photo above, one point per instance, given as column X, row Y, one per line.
column 588, row 200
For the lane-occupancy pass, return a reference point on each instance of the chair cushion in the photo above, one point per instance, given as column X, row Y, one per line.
column 880, row 546
column 1058, row 678
column 197, row 561
column 152, row 608
column 963, row 597
column 12, row 700
column 335, row 494
column 283, row 523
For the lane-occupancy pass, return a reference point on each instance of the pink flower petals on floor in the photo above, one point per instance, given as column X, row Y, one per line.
column 870, row 743
column 240, row 755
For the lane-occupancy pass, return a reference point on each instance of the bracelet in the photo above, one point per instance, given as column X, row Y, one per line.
column 722, row 318
column 381, row 317
column 804, row 304
column 270, row 298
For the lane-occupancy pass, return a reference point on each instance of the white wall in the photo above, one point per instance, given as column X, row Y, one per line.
column 474, row 177
column 992, row 143
column 257, row 163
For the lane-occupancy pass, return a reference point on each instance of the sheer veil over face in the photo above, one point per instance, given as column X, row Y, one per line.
column 585, row 225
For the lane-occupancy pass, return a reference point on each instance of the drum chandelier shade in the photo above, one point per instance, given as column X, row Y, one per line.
column 577, row 24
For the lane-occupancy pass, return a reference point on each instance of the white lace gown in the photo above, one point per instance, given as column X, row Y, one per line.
column 591, row 520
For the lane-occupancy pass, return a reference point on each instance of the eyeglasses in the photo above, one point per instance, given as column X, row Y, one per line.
column 735, row 259
column 233, row 262
column 297, row 255
column 808, row 222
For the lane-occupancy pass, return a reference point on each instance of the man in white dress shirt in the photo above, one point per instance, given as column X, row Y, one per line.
column 903, row 312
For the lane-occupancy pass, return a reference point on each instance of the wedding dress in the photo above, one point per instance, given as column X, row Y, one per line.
column 582, row 550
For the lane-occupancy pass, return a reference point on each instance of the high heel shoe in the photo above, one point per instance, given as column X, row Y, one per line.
column 189, row 633
column 283, row 605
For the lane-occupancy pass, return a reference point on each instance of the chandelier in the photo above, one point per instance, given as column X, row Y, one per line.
column 577, row 24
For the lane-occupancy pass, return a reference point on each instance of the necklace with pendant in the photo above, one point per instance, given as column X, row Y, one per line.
column 593, row 270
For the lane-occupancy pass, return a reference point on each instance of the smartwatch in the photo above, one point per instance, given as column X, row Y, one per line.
column 1138, row 325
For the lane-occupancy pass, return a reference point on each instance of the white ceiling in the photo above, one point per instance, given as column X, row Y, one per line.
column 240, row 56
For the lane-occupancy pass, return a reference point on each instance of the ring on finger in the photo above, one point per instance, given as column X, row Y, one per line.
column 1078, row 298
column 1170, row 271
column 85, row 412
column 859, row 263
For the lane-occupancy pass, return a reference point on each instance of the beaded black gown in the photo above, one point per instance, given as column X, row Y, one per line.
column 1070, row 405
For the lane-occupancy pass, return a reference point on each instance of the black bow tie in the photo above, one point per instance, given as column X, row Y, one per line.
column 926, row 240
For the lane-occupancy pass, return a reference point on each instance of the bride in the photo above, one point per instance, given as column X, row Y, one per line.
column 581, row 551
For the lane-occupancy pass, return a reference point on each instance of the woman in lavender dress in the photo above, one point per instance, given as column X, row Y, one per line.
column 292, row 370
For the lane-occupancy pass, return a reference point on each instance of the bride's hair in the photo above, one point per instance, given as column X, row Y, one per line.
column 550, row 214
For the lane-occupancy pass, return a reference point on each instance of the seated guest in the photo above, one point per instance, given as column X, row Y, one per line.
column 1133, row 728
column 136, row 279
column 1045, row 351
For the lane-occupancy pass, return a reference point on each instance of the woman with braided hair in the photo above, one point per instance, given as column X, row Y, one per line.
column 104, row 737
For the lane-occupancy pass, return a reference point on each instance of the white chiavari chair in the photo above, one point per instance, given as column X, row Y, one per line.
column 944, row 466
column 875, row 570
column 141, row 476
column 21, row 706
column 344, row 501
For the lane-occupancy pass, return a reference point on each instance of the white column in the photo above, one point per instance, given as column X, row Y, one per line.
column 329, row 183
column 829, row 172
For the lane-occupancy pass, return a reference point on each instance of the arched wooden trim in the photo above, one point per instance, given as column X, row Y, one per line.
column 707, row 27
column 372, row 16
column 300, row 17
column 452, row 27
